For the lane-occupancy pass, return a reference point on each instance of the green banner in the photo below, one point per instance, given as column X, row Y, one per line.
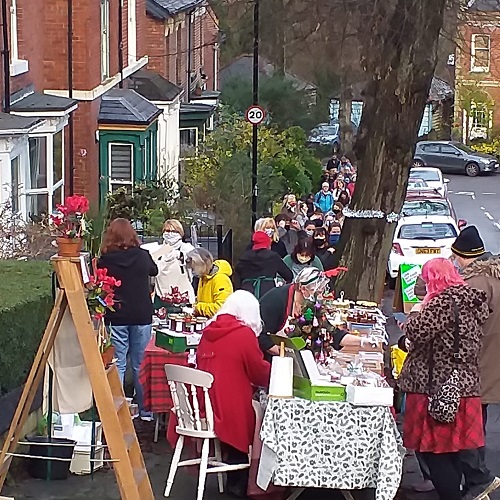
column 409, row 274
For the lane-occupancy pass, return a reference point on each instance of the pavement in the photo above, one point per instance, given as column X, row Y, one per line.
column 476, row 200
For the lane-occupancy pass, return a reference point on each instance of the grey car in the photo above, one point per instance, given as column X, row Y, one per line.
column 451, row 156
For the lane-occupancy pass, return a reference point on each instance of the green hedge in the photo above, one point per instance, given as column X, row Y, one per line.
column 25, row 306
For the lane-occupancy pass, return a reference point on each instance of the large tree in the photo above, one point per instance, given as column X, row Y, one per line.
column 399, row 41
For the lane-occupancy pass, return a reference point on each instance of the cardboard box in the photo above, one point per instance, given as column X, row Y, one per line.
column 305, row 389
column 369, row 396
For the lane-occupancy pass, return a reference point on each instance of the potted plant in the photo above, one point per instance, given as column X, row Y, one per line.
column 101, row 298
column 70, row 226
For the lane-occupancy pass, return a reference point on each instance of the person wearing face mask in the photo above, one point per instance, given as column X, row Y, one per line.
column 341, row 194
column 339, row 216
column 302, row 216
column 324, row 198
column 334, row 236
column 279, row 304
column 214, row 286
column 268, row 225
column 289, row 206
column 303, row 255
column 258, row 269
column 323, row 249
column 309, row 228
column 288, row 231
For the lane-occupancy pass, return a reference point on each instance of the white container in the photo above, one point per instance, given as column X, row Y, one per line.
column 369, row 396
column 80, row 464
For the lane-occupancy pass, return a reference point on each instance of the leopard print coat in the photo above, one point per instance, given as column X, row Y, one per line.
column 430, row 333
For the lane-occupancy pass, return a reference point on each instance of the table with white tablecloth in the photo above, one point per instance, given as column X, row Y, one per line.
column 308, row 444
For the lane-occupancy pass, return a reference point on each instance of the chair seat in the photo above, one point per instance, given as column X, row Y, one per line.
column 182, row 431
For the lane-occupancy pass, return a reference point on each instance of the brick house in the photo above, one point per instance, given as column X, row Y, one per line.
column 477, row 70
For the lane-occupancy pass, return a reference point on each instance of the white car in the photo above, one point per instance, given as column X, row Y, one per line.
column 421, row 238
column 432, row 177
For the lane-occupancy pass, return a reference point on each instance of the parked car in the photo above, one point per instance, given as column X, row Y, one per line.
column 328, row 134
column 420, row 238
column 432, row 177
column 416, row 184
column 451, row 156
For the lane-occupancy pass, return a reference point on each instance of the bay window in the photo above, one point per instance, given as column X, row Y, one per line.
column 121, row 166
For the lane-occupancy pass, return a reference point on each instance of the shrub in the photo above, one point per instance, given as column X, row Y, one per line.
column 488, row 147
column 25, row 306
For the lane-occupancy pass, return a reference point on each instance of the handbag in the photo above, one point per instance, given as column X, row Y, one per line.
column 444, row 403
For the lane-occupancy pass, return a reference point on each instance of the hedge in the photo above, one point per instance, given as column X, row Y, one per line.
column 25, row 306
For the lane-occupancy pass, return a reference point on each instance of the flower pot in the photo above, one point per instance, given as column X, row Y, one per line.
column 39, row 467
column 69, row 247
column 108, row 356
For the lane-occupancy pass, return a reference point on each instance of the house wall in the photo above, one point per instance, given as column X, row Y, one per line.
column 168, row 140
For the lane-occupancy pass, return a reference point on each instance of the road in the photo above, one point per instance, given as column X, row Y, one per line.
column 477, row 200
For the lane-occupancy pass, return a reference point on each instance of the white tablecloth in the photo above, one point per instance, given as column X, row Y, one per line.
column 310, row 444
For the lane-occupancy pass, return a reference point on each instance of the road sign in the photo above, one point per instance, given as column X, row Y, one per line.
column 255, row 114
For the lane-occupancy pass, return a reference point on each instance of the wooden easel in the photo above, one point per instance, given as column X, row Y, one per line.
column 130, row 470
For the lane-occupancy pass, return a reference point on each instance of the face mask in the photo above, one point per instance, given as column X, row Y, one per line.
column 319, row 242
column 458, row 267
column 309, row 233
column 293, row 203
column 269, row 232
column 302, row 259
column 334, row 239
column 171, row 238
column 336, row 211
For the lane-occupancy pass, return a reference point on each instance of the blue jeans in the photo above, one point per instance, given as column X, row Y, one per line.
column 131, row 340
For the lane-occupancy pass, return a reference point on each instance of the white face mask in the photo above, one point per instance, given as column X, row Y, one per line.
column 269, row 232
column 309, row 232
column 171, row 238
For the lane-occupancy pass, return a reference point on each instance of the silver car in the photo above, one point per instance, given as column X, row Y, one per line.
column 451, row 156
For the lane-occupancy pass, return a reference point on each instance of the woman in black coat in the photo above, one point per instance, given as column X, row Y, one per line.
column 258, row 268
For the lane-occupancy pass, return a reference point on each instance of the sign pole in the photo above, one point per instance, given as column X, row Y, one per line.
column 255, row 102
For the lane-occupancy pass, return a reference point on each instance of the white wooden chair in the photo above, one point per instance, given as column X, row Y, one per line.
column 184, row 383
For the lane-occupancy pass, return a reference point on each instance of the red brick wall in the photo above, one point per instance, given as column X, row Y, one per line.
column 210, row 38
column 157, row 47
column 142, row 28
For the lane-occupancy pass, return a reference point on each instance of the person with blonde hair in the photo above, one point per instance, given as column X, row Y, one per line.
column 173, row 235
column 268, row 225
column 214, row 285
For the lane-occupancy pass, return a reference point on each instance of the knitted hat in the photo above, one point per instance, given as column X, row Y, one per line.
column 468, row 244
column 260, row 240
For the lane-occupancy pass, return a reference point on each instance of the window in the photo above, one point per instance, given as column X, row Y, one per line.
column 189, row 142
column 430, row 148
column 17, row 66
column 427, row 231
column 425, row 175
column 38, row 163
column 58, row 157
column 121, row 167
column 425, row 207
column 104, row 39
column 15, row 176
column 480, row 54
column 448, row 150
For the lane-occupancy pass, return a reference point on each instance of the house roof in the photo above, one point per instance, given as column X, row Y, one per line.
column 153, row 86
column 38, row 101
column 127, row 106
column 484, row 5
column 163, row 9
column 13, row 124
column 242, row 67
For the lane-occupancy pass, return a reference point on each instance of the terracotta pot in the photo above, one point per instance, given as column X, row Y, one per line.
column 108, row 356
column 69, row 247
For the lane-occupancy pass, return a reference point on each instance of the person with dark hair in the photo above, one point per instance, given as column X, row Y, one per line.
column 309, row 228
column 303, row 255
column 323, row 249
column 288, row 231
column 130, row 323
column 333, row 163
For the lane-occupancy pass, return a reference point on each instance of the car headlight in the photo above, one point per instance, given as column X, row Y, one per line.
column 484, row 160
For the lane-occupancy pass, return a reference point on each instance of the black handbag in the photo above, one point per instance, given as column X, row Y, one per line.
column 444, row 403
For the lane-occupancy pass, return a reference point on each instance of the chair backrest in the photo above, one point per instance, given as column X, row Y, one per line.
column 186, row 386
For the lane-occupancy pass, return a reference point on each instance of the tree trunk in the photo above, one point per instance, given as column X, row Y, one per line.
column 345, row 111
column 400, row 47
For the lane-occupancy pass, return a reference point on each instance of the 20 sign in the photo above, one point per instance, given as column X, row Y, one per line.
column 255, row 114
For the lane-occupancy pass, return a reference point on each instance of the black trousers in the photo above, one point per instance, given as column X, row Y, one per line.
column 446, row 474
column 237, row 481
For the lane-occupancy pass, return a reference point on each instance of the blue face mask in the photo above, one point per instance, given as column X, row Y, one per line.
column 334, row 239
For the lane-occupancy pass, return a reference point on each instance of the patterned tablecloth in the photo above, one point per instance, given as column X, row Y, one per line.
column 310, row 444
column 152, row 376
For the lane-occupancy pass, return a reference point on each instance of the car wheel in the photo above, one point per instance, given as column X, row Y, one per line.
column 417, row 164
column 472, row 169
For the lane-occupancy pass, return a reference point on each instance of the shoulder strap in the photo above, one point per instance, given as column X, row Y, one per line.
column 456, row 332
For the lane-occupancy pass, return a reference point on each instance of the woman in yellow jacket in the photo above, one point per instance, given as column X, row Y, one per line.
column 215, row 284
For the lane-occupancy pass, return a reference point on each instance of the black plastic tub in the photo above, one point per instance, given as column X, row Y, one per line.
column 39, row 468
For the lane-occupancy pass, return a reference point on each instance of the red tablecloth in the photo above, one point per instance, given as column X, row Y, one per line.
column 153, row 380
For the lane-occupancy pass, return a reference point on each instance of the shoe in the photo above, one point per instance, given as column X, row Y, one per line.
column 237, row 491
column 495, row 484
column 147, row 417
column 423, row 487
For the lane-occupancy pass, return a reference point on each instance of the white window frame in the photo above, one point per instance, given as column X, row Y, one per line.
column 118, row 182
column 473, row 67
column 132, row 32
column 17, row 66
column 105, row 40
column 197, row 141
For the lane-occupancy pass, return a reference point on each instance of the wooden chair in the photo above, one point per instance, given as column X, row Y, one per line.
column 184, row 384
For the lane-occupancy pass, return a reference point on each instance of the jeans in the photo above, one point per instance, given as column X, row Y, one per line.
column 131, row 340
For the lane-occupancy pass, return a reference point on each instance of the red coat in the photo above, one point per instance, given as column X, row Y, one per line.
column 350, row 188
column 230, row 352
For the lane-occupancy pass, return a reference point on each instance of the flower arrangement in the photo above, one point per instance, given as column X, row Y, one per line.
column 101, row 292
column 69, row 219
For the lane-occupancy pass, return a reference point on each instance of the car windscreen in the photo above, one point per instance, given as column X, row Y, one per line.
column 463, row 147
column 425, row 175
column 427, row 231
column 425, row 207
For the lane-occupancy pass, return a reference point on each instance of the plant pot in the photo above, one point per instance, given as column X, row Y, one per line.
column 108, row 356
column 69, row 247
column 39, row 467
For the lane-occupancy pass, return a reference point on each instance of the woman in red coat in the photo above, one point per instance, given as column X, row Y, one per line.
column 229, row 350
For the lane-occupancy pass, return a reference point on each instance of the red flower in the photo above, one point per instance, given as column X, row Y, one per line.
column 109, row 300
column 76, row 204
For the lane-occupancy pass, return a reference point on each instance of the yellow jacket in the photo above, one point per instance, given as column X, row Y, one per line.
column 214, row 289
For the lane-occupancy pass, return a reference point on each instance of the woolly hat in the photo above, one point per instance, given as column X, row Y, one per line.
column 468, row 244
column 260, row 240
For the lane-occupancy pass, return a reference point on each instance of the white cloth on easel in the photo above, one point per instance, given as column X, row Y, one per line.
column 72, row 390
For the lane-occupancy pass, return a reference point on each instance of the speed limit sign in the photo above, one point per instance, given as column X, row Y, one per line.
column 255, row 114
